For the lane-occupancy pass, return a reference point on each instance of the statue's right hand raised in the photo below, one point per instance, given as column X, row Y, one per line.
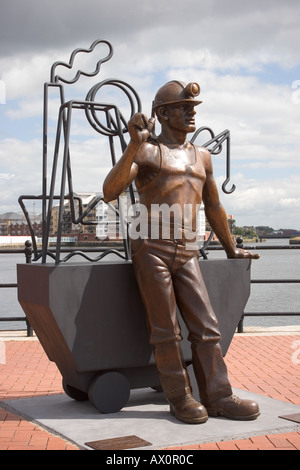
column 140, row 127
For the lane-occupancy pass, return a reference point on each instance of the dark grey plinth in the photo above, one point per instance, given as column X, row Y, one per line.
column 91, row 322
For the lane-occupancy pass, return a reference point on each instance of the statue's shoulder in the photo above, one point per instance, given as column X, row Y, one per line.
column 204, row 155
column 148, row 151
column 203, row 151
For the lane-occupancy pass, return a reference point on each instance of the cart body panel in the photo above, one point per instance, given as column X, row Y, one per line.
column 90, row 319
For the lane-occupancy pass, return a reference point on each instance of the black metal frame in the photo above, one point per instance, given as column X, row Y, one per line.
column 115, row 127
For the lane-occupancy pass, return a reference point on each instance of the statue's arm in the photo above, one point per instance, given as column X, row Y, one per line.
column 216, row 214
column 121, row 175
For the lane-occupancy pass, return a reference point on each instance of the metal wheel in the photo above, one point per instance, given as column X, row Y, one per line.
column 109, row 392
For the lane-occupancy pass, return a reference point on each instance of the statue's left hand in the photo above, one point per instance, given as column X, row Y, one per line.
column 240, row 253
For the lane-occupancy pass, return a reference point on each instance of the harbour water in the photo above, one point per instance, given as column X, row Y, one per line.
column 273, row 264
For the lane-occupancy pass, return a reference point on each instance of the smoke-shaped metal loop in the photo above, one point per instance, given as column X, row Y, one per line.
column 69, row 65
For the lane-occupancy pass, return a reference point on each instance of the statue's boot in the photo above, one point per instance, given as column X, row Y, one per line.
column 234, row 407
column 176, row 386
column 214, row 387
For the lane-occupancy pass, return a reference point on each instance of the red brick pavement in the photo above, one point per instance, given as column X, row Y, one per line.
column 268, row 365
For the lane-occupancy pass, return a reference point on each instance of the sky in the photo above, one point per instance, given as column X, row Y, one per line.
column 244, row 55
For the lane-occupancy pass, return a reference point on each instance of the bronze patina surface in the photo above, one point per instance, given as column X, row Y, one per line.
column 169, row 171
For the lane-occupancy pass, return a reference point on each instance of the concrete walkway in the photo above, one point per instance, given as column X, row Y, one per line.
column 36, row 414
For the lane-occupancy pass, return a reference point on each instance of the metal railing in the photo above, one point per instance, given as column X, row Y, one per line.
column 240, row 328
column 28, row 254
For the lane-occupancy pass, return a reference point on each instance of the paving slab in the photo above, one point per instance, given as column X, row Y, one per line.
column 147, row 417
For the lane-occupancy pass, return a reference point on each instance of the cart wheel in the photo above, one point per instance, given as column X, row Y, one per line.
column 109, row 392
column 74, row 393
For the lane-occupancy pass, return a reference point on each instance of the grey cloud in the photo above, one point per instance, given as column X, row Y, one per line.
column 225, row 26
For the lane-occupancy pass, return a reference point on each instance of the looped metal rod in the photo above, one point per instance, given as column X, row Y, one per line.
column 217, row 148
column 115, row 126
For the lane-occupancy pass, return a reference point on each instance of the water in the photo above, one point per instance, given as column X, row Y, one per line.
column 273, row 264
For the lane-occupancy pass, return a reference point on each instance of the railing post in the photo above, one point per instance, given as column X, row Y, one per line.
column 28, row 251
column 28, row 255
column 241, row 324
column 29, row 328
column 239, row 242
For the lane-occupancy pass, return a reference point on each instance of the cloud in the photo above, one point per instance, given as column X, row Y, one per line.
column 21, row 168
column 244, row 55
column 233, row 30
column 266, row 203
column 6, row 176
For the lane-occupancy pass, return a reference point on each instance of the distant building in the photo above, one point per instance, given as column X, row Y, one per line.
column 104, row 221
column 100, row 223
column 15, row 224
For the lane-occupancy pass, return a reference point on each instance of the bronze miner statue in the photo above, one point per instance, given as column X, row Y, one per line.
column 171, row 172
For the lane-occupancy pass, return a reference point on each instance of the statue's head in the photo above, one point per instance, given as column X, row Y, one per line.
column 175, row 92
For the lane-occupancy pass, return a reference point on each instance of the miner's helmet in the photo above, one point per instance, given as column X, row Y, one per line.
column 176, row 92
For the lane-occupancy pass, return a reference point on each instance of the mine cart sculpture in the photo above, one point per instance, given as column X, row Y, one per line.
column 89, row 316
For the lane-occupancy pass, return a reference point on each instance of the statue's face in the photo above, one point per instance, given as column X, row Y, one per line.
column 181, row 117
